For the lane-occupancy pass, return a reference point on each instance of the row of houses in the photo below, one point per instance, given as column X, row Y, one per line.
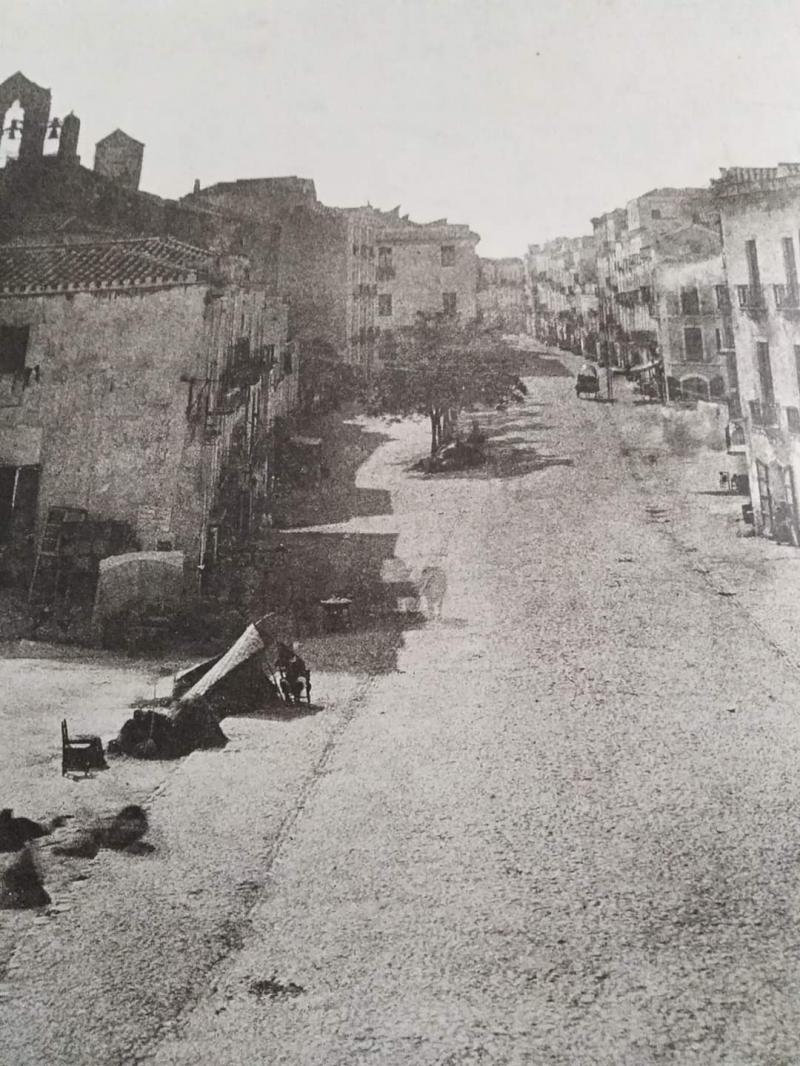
column 696, row 292
column 157, row 356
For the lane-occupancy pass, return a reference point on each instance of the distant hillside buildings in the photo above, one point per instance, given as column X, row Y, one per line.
column 696, row 293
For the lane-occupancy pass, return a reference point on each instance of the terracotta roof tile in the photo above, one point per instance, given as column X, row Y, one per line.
column 141, row 262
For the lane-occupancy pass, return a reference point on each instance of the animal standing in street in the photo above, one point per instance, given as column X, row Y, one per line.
column 431, row 590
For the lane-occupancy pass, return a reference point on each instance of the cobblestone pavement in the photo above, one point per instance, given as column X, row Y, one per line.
column 564, row 831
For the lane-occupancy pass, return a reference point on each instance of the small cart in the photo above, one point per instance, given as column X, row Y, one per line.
column 587, row 385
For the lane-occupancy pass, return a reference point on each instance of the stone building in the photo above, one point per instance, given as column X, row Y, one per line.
column 626, row 255
column 429, row 268
column 562, row 281
column 760, row 216
column 139, row 381
column 321, row 259
column 118, row 157
column 501, row 295
column 691, row 309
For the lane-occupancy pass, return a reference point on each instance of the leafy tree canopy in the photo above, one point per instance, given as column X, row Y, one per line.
column 439, row 367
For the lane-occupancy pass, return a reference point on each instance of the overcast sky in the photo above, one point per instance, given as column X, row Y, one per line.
column 523, row 118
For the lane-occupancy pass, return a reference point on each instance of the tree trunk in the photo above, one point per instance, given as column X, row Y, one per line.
column 434, row 417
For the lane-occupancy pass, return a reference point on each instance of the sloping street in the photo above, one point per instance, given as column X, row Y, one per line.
column 562, row 830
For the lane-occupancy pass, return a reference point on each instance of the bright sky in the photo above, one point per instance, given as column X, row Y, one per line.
column 523, row 118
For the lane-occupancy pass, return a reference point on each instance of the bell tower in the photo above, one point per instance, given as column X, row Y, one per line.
column 35, row 104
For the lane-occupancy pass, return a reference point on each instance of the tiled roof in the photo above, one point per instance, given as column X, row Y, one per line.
column 83, row 266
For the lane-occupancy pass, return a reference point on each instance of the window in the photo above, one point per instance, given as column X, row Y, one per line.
column 690, row 302
column 790, row 267
column 723, row 298
column 385, row 267
column 734, row 403
column 449, row 303
column 385, row 304
column 727, row 334
column 13, row 348
column 752, row 265
column 693, row 344
column 718, row 337
column 655, row 213
column 287, row 360
column 448, row 255
column 765, row 373
column 269, row 355
column 797, row 364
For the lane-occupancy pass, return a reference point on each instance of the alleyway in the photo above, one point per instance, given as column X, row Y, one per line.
column 563, row 830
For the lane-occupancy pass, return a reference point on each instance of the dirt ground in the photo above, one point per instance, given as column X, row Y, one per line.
column 552, row 823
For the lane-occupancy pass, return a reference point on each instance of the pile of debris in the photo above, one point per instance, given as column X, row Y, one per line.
column 122, row 832
column 183, row 727
column 21, row 885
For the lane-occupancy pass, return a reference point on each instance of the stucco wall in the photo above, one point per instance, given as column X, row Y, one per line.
column 766, row 221
column 669, row 281
column 109, row 405
column 767, row 224
column 107, row 418
column 420, row 280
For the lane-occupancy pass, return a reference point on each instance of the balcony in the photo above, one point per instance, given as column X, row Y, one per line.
column 244, row 367
column 787, row 297
column 751, row 299
column 764, row 415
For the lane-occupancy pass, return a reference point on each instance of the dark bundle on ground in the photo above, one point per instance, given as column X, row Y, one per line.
column 21, row 885
column 195, row 726
column 121, row 832
column 187, row 726
column 16, row 832
column 124, row 829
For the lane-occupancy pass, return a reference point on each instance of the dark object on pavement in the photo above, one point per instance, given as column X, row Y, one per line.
column 195, row 726
column 122, row 832
column 16, row 832
column 21, row 885
column 295, row 677
column 587, row 385
column 273, row 988
column 457, row 455
column 81, row 753
column 125, row 828
column 83, row 845
column 336, row 612
column 747, row 514
column 187, row 726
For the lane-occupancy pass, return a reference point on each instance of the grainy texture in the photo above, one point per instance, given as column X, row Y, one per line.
column 563, row 831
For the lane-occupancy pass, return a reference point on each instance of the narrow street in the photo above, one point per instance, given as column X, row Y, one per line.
column 563, row 830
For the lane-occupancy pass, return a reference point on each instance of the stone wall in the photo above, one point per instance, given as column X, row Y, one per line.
column 103, row 406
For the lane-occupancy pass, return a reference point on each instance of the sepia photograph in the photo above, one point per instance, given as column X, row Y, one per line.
column 399, row 533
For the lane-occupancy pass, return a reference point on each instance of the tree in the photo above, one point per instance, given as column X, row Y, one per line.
column 439, row 367
column 325, row 380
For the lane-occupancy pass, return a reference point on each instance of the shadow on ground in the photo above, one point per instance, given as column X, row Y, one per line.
column 510, row 451
column 334, row 496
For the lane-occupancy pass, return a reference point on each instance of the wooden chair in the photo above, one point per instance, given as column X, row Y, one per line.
column 293, row 693
column 80, row 753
